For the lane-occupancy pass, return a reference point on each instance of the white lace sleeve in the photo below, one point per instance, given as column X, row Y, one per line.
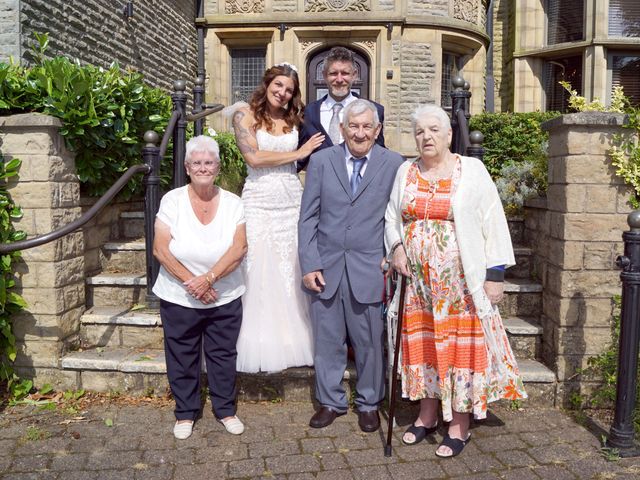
column 231, row 109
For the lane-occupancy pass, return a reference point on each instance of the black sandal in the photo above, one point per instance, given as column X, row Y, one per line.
column 419, row 433
column 455, row 444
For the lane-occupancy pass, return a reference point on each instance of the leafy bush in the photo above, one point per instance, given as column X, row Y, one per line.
column 605, row 366
column 10, row 302
column 513, row 138
column 105, row 112
column 516, row 183
column 233, row 169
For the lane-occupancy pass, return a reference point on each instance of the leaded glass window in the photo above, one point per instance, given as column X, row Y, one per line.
column 247, row 69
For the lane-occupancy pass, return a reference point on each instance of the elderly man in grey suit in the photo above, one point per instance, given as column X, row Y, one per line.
column 340, row 244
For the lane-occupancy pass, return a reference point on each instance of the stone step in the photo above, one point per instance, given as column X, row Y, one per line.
column 120, row 327
column 132, row 225
column 522, row 298
column 522, row 268
column 141, row 370
column 525, row 337
column 116, row 289
column 125, row 256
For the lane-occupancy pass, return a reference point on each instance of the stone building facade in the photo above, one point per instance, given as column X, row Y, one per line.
column 158, row 40
column 409, row 48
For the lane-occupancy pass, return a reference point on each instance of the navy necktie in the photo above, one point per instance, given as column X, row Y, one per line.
column 355, row 175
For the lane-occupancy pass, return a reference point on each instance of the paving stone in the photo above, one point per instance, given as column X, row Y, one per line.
column 317, row 445
column 80, row 475
column 351, row 442
column 500, row 443
column 50, row 445
column 536, row 439
column 293, row 464
column 73, row 461
column 558, row 453
column 273, row 449
column 554, row 472
column 515, row 458
column 414, row 470
column 335, row 430
column 212, row 470
column 333, row 461
column 246, row 468
column 335, row 475
column 81, row 444
column 107, row 461
column 290, row 432
column 360, row 458
column 6, row 447
column 592, row 466
column 222, row 452
column 454, row 467
column 520, row 474
column 162, row 472
column 29, row 463
column 31, row 476
column 480, row 463
column 296, row 476
column 379, row 472
column 173, row 457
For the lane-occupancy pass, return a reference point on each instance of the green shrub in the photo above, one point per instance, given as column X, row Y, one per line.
column 105, row 112
column 513, row 138
column 10, row 301
column 516, row 183
column 605, row 366
column 233, row 169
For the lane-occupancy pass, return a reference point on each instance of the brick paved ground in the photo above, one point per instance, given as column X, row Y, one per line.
column 533, row 443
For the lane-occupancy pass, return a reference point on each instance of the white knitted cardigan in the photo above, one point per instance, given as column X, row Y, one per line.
column 480, row 225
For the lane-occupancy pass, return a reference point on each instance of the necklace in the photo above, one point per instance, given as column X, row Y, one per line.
column 202, row 205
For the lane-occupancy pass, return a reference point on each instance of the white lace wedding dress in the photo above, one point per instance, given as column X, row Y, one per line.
column 276, row 326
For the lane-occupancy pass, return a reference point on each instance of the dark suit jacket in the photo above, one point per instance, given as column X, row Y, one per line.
column 312, row 125
column 338, row 231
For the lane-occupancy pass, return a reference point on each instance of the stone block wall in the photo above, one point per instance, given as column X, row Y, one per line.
column 49, row 277
column 576, row 237
column 159, row 40
column 101, row 229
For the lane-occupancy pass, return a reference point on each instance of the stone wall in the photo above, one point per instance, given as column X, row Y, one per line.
column 576, row 237
column 159, row 40
column 503, row 45
column 49, row 277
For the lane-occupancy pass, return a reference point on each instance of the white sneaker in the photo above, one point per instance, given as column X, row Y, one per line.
column 233, row 425
column 183, row 430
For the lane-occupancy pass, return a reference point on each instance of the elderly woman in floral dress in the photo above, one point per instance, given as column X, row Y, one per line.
column 447, row 233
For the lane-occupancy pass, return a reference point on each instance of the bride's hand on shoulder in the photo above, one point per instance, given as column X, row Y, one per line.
column 310, row 145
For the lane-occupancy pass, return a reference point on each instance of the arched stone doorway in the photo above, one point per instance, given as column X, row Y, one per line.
column 316, row 86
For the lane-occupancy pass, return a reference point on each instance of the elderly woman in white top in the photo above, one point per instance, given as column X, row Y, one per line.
column 447, row 233
column 200, row 240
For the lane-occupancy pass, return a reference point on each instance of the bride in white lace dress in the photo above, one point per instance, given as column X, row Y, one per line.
column 276, row 326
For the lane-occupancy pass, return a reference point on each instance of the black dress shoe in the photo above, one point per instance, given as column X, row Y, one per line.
column 324, row 417
column 369, row 421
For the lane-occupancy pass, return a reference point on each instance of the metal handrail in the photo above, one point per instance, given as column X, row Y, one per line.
column 84, row 218
column 463, row 129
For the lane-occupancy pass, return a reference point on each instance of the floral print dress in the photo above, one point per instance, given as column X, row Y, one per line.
column 448, row 352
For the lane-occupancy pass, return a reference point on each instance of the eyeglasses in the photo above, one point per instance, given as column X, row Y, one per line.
column 208, row 165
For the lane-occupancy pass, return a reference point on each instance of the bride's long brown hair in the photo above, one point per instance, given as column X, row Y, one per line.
column 258, row 102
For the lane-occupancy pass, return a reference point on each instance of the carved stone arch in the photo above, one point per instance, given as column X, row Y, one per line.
column 316, row 86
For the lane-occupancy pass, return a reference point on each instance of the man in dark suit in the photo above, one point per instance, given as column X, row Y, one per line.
column 340, row 246
column 325, row 115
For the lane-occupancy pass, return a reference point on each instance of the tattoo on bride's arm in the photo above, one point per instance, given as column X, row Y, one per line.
column 242, row 134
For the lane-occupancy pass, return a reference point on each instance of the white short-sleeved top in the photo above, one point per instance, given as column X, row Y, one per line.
column 199, row 247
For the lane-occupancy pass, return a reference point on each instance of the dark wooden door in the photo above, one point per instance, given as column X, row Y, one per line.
column 316, row 86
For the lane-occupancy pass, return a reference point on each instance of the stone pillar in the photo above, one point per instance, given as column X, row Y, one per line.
column 576, row 240
column 49, row 277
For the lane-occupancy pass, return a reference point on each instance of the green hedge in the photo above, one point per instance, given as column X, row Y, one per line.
column 105, row 112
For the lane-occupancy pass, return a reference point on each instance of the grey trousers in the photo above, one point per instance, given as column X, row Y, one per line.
column 331, row 320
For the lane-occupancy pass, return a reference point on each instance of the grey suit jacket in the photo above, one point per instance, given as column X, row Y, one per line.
column 338, row 231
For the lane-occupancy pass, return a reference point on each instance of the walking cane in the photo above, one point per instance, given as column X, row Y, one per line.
column 394, row 383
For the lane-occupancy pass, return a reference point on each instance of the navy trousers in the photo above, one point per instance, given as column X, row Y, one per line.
column 186, row 331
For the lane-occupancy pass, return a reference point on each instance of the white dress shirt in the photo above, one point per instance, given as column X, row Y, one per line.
column 326, row 111
column 349, row 162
